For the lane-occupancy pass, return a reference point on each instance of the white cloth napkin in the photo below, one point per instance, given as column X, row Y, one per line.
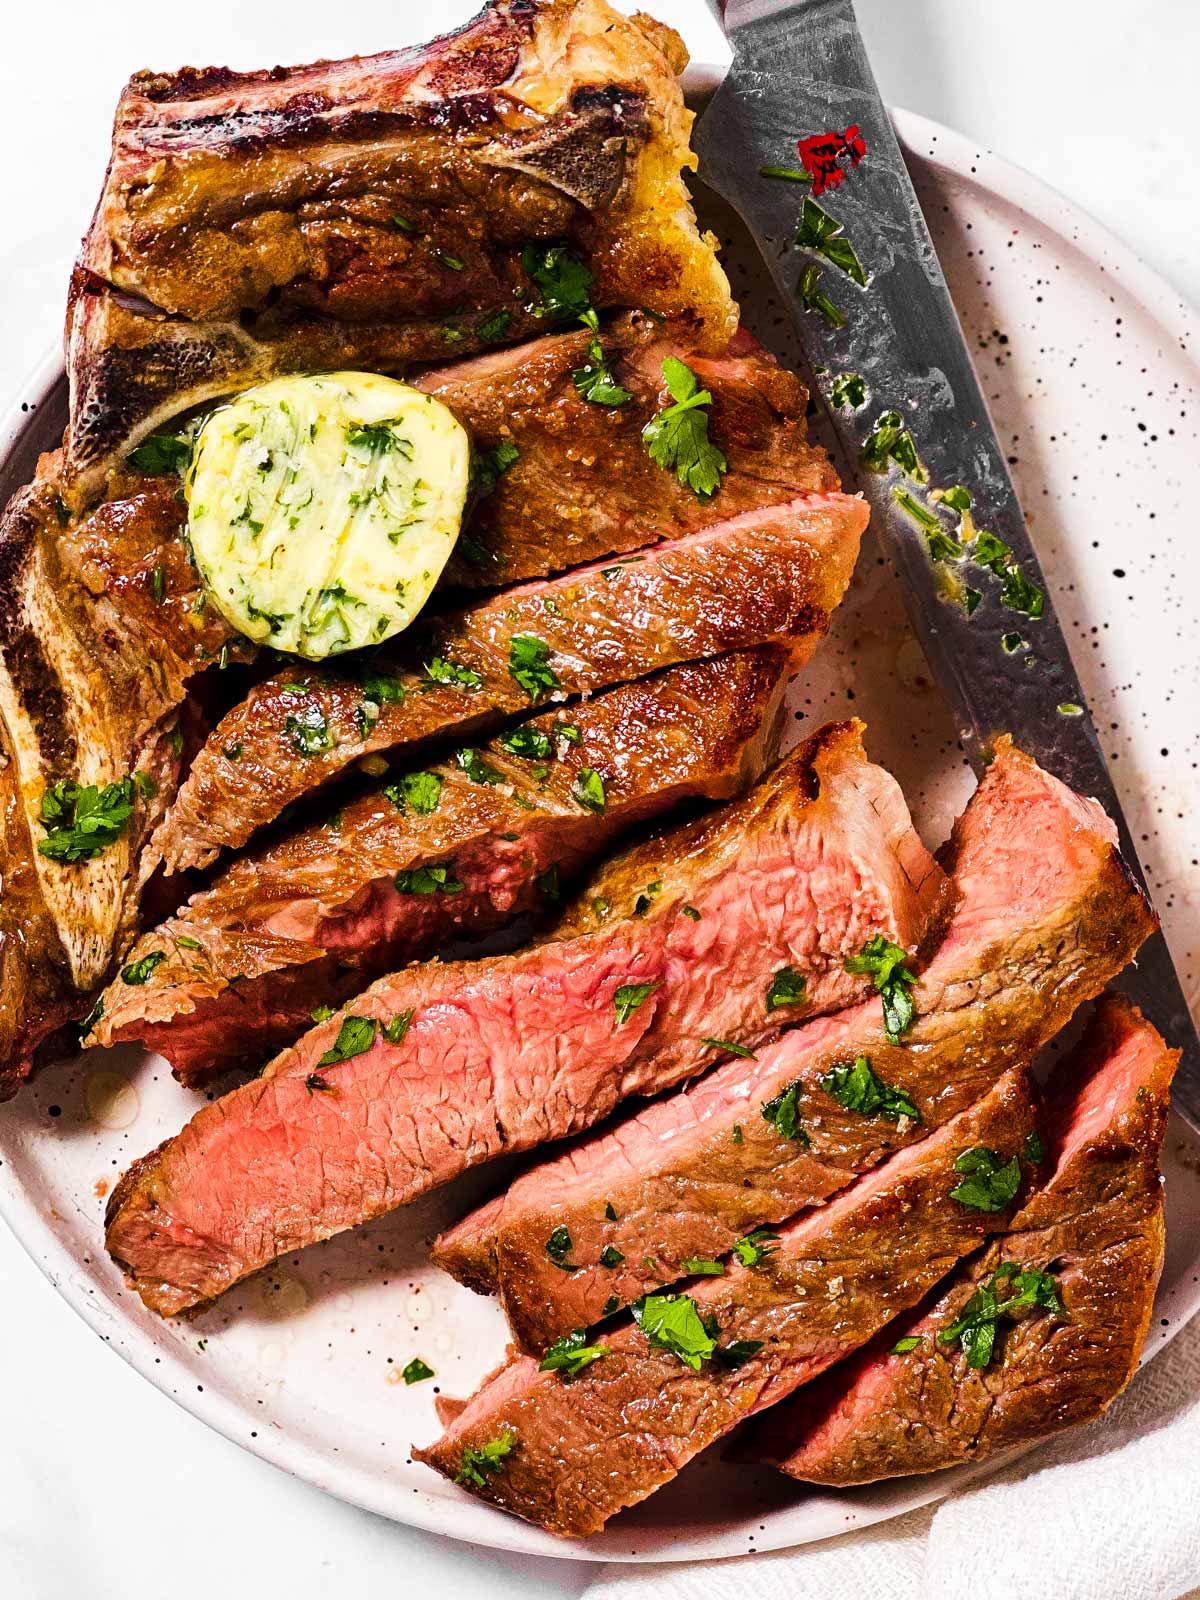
column 1108, row 1512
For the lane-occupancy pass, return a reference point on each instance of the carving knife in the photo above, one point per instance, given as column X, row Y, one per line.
column 798, row 140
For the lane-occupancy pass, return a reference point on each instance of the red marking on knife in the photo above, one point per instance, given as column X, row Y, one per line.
column 820, row 155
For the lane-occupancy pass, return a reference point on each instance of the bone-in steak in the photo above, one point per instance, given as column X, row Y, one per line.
column 443, row 1066
column 576, row 1451
column 1096, row 1225
column 373, row 212
column 448, row 852
column 776, row 574
column 1045, row 916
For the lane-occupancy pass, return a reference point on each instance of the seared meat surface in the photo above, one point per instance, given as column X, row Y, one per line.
column 1095, row 1224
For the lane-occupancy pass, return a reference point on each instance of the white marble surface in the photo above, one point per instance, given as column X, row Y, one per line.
column 105, row 1487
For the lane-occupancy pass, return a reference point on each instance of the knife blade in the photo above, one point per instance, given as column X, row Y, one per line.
column 841, row 230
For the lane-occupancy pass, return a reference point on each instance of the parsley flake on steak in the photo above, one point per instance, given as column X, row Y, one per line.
column 672, row 1322
column 570, row 1354
column 81, row 821
column 355, row 1036
column 857, row 1087
column 884, row 961
column 677, row 438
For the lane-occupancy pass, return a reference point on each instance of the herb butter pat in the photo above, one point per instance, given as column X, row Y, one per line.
column 321, row 510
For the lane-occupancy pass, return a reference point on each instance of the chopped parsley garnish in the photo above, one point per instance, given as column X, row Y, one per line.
column 489, row 466
column 481, row 1462
column 1010, row 643
column 925, row 519
column 737, row 1353
column 161, row 453
column 790, row 174
column 309, row 731
column 417, row 1371
column 738, row 1136
column 420, row 790
column 783, row 1113
column 559, row 1247
column 610, row 1211
column 909, row 1342
column 233, row 752
column 814, row 298
column 888, row 441
column 728, row 1046
column 531, row 744
column 596, row 381
column 426, row 880
column 380, row 687
column 439, row 670
column 158, row 583
column 630, row 996
column 849, row 391
column 647, row 897
column 589, row 789
column 1019, row 593
column 92, row 1018
column 455, row 263
column 610, row 1305
column 563, row 280
column 991, row 553
column 81, row 821
column 378, row 437
column 855, row 1086
column 701, row 1267
column 1035, row 1149
column 820, row 232
column 610, row 1256
column 677, row 438
column 184, row 943
column 395, row 1030
column 570, row 1354
column 971, row 599
column 476, row 768
column 787, row 988
column 756, row 1246
column 355, row 1036
column 321, row 1013
column 139, row 971
column 548, row 882
column 493, row 327
column 1068, row 708
column 989, row 1182
column 976, row 1328
column 672, row 1322
column 316, row 1084
column 690, row 912
column 884, row 961
column 528, row 664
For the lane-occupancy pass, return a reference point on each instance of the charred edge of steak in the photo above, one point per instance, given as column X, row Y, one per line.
column 23, row 528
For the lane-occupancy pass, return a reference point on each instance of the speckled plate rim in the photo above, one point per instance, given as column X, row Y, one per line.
column 930, row 143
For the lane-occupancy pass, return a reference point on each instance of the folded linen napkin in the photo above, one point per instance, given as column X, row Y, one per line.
column 1108, row 1512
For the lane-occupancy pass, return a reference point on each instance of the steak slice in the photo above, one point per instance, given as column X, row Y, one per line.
column 312, row 918
column 759, row 577
column 1096, row 1224
column 504, row 1053
column 581, row 1450
column 583, row 485
column 372, row 212
column 1045, row 916
column 93, row 675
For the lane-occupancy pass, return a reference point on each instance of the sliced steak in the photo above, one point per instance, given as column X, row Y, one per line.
column 1096, row 1226
column 504, row 1053
column 93, row 674
column 373, row 212
column 583, row 485
column 579, row 1451
column 760, row 577
column 1045, row 916
column 433, row 856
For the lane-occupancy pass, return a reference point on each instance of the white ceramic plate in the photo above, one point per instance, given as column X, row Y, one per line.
column 1084, row 357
